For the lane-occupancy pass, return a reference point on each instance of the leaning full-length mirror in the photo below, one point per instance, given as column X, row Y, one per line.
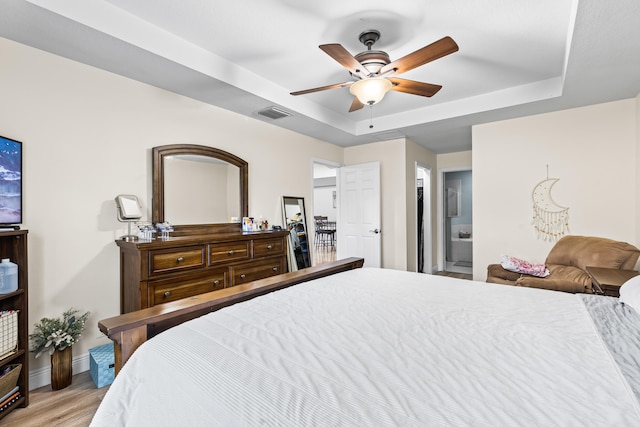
column 295, row 219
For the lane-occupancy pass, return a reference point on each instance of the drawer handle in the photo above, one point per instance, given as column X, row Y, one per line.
column 167, row 293
column 230, row 252
column 216, row 282
column 242, row 276
column 274, row 269
column 269, row 246
column 180, row 259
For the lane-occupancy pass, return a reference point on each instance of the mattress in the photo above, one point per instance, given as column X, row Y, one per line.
column 378, row 347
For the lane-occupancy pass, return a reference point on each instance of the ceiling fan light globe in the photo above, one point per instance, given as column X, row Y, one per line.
column 370, row 91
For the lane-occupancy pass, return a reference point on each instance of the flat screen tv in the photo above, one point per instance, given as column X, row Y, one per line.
column 10, row 182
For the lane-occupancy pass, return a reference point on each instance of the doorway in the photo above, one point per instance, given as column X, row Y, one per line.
column 423, row 208
column 457, row 221
column 324, row 209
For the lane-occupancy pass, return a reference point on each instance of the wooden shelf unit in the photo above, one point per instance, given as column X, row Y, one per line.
column 13, row 245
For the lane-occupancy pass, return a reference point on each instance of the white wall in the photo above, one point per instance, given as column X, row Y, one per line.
column 591, row 150
column 398, row 199
column 459, row 160
column 323, row 203
column 87, row 136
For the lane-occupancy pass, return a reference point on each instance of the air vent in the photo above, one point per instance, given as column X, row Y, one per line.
column 274, row 113
column 388, row 135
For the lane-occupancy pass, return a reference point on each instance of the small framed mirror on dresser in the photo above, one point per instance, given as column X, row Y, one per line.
column 197, row 189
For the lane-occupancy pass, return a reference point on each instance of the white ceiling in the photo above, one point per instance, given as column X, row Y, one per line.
column 516, row 57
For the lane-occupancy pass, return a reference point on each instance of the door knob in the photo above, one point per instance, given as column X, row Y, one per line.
column 375, row 231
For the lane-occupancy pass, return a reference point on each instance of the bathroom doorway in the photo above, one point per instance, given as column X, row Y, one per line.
column 458, row 223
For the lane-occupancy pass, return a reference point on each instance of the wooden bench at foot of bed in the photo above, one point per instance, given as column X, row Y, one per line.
column 128, row 331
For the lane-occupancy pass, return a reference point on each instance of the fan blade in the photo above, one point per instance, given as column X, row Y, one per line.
column 435, row 50
column 413, row 87
column 344, row 58
column 318, row 89
column 356, row 105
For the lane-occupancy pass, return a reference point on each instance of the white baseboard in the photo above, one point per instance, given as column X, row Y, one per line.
column 42, row 377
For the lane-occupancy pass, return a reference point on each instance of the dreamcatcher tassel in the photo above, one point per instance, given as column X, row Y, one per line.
column 550, row 226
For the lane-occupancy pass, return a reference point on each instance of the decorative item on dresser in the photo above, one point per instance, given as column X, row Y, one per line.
column 14, row 354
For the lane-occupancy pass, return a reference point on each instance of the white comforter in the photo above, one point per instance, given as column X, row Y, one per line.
column 375, row 347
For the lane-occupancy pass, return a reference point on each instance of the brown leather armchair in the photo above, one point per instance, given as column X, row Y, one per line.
column 567, row 262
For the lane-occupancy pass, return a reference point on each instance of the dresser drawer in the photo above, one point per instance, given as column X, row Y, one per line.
column 250, row 271
column 266, row 247
column 170, row 260
column 166, row 290
column 227, row 252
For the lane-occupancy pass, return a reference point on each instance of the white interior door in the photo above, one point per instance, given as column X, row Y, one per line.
column 358, row 219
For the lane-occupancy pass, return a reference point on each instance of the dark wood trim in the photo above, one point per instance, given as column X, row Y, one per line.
column 157, row 202
column 13, row 245
column 130, row 330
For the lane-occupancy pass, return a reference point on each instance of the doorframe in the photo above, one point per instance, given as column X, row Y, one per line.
column 330, row 164
column 427, row 203
column 441, row 215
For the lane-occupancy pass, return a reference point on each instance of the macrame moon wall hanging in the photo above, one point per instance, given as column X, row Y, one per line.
column 550, row 220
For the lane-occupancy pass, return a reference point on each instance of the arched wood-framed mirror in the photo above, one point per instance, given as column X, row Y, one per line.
column 191, row 182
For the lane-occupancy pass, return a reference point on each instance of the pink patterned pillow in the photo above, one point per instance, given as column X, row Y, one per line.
column 520, row 266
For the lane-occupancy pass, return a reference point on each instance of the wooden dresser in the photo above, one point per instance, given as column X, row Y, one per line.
column 159, row 271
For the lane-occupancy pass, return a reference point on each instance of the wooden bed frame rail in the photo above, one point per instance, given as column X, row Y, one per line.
column 128, row 331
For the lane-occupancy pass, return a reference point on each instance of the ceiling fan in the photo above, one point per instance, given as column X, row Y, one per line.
column 374, row 73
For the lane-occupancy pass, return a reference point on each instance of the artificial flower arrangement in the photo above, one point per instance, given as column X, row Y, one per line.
column 57, row 334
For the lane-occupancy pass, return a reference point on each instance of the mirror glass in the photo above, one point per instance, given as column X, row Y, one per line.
column 295, row 220
column 200, row 175
column 195, row 185
column 453, row 198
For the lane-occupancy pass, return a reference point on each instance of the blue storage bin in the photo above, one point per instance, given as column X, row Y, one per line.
column 101, row 365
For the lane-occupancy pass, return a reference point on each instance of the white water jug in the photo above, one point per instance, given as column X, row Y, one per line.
column 8, row 276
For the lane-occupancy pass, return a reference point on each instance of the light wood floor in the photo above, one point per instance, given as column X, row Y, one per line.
column 323, row 255
column 73, row 406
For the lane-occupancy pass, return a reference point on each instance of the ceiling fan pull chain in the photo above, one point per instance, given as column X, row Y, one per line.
column 371, row 116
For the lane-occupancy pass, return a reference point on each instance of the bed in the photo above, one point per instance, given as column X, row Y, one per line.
column 379, row 347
